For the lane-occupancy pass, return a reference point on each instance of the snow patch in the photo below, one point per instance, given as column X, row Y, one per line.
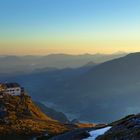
column 94, row 134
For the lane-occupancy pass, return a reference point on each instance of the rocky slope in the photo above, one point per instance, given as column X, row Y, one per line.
column 127, row 128
column 21, row 118
column 61, row 117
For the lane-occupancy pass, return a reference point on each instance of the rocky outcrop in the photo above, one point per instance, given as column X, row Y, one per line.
column 16, row 107
column 19, row 116
column 127, row 128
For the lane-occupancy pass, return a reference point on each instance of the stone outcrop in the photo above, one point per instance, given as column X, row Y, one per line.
column 19, row 116
column 127, row 128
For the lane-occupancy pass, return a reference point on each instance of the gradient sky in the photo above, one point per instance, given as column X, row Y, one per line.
column 69, row 26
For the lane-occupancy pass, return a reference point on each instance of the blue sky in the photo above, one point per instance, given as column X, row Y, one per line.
column 69, row 21
column 58, row 14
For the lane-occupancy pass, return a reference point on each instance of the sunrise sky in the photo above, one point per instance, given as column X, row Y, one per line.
column 69, row 26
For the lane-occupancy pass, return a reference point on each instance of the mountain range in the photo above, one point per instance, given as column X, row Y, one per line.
column 100, row 93
column 28, row 64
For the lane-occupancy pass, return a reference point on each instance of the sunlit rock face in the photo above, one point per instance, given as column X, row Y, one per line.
column 21, row 118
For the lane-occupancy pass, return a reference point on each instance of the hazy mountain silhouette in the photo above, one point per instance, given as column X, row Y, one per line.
column 28, row 64
column 101, row 93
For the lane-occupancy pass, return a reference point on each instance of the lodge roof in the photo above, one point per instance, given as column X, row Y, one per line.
column 10, row 85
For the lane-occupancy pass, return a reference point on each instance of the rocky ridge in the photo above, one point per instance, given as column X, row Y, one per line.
column 127, row 128
column 20, row 117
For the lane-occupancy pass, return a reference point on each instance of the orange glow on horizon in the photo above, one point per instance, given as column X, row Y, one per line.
column 106, row 47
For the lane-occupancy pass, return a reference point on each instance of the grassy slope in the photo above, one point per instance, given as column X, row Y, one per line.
column 23, row 117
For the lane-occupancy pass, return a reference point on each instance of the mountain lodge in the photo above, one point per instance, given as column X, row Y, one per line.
column 11, row 88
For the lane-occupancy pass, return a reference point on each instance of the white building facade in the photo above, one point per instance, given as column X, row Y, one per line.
column 11, row 88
